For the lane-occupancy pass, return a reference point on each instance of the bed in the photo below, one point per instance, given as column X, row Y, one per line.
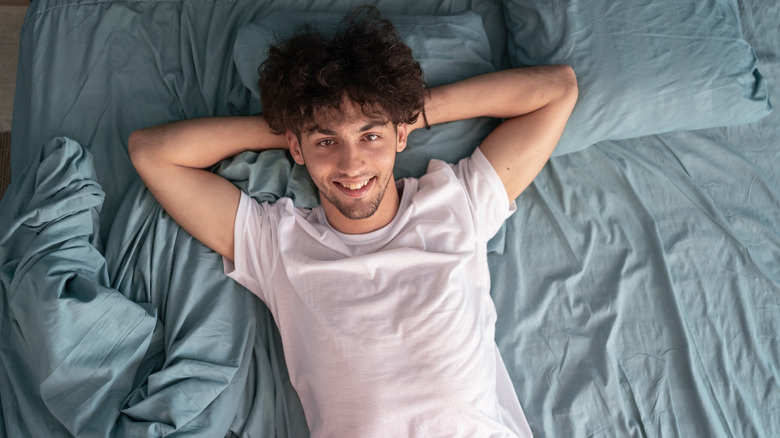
column 637, row 285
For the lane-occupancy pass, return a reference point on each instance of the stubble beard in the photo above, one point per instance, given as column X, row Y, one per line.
column 359, row 209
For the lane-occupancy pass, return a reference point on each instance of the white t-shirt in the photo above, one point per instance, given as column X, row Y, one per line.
column 389, row 333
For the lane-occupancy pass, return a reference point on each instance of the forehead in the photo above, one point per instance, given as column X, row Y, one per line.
column 347, row 118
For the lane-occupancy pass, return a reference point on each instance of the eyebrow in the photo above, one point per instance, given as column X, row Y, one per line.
column 371, row 125
column 367, row 127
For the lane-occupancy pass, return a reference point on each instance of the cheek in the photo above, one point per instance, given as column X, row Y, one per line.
column 389, row 158
column 315, row 169
column 385, row 154
column 389, row 162
column 319, row 168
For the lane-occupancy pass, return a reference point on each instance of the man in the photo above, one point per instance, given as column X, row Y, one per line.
column 381, row 295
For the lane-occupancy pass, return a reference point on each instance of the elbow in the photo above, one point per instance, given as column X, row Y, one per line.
column 568, row 76
column 138, row 148
column 134, row 145
column 568, row 82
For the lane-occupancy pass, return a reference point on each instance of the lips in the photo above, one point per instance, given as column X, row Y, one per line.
column 355, row 189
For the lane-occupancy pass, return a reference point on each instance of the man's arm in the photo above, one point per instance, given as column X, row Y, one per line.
column 536, row 103
column 171, row 160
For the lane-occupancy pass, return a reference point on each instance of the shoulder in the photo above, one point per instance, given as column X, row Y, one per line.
column 272, row 212
column 444, row 185
column 472, row 169
column 471, row 184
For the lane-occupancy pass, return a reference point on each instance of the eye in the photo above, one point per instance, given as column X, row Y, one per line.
column 372, row 137
column 325, row 142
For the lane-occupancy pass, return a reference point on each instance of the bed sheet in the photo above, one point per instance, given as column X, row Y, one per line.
column 638, row 289
column 643, row 295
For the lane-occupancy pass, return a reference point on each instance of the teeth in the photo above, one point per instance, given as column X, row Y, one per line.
column 354, row 186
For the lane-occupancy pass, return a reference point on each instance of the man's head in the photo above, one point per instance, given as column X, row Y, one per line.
column 310, row 74
column 344, row 103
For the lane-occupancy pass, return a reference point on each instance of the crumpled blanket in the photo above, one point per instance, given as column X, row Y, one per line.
column 146, row 338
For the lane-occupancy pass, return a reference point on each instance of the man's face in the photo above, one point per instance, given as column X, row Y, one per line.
column 350, row 158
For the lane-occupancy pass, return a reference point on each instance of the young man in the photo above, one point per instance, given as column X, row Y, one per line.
column 381, row 295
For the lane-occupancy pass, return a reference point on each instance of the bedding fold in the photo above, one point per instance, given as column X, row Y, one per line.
column 215, row 338
column 71, row 344
column 650, row 302
column 150, row 340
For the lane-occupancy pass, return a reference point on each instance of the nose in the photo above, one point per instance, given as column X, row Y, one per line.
column 351, row 158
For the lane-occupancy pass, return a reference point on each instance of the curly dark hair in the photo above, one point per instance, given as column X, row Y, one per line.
column 365, row 61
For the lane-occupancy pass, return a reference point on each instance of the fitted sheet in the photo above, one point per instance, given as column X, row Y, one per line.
column 643, row 294
column 637, row 286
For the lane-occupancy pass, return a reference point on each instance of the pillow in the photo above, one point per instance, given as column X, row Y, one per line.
column 449, row 48
column 643, row 66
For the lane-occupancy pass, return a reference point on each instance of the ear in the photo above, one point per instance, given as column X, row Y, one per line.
column 403, row 133
column 295, row 147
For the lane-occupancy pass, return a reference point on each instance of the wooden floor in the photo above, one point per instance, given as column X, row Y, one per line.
column 11, row 18
column 5, row 162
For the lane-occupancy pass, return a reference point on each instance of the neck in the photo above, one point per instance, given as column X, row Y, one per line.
column 385, row 214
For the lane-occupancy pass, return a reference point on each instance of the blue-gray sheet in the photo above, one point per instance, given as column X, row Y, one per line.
column 638, row 290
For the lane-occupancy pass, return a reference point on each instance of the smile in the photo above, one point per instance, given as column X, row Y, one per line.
column 354, row 186
column 355, row 189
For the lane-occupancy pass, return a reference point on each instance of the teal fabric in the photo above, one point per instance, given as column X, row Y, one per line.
column 643, row 66
column 646, row 299
column 215, row 341
column 145, row 338
column 71, row 345
column 638, row 293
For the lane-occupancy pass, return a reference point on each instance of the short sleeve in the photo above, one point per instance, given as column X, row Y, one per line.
column 254, row 237
column 487, row 195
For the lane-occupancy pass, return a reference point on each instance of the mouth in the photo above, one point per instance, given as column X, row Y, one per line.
column 355, row 189
column 354, row 186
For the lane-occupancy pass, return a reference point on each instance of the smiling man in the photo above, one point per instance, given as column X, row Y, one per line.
column 381, row 295
column 353, row 189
